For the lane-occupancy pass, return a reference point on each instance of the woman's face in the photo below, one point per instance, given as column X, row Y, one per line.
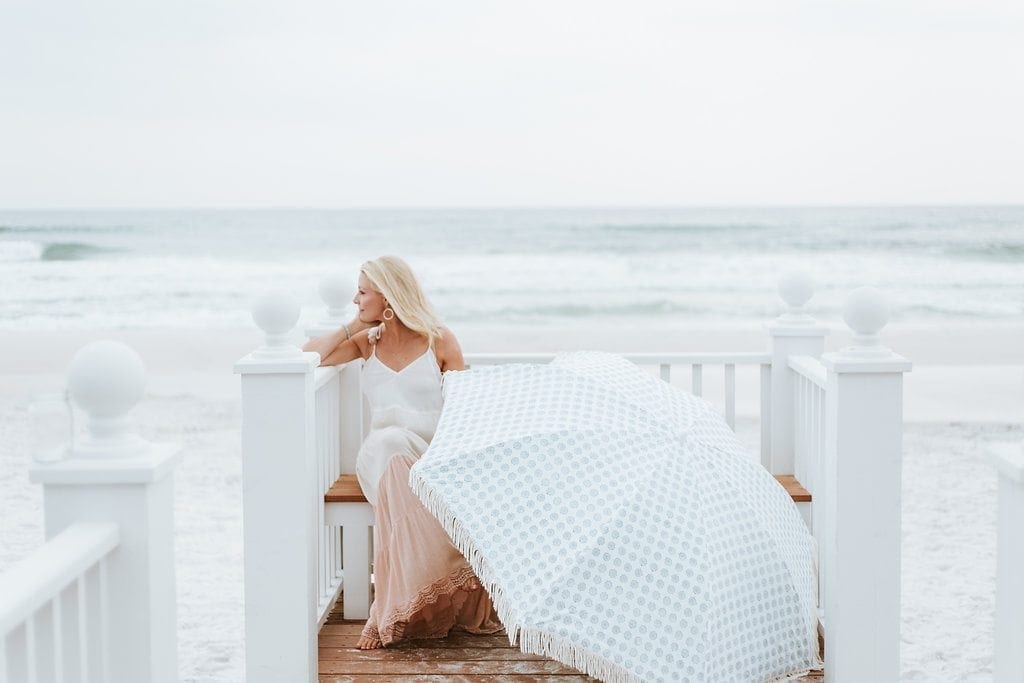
column 370, row 302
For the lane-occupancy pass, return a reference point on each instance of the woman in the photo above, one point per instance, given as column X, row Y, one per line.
column 423, row 586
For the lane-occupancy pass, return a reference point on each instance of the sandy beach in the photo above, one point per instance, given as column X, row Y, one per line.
column 966, row 389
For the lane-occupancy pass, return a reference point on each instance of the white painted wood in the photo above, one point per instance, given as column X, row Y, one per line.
column 57, row 621
column 861, row 496
column 33, row 582
column 31, row 651
column 799, row 428
column 666, row 372
column 350, row 422
column 357, row 521
column 324, row 375
column 786, row 340
column 83, row 628
column 280, row 512
column 69, row 635
column 328, row 459
column 1009, row 626
column 809, row 367
column 16, row 655
column 730, row 395
column 103, row 591
column 766, row 415
column 710, row 358
column 697, row 379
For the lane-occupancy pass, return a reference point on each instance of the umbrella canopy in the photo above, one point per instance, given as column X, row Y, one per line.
column 619, row 525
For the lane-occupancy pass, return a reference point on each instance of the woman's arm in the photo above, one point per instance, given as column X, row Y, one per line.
column 326, row 343
column 343, row 353
column 347, row 350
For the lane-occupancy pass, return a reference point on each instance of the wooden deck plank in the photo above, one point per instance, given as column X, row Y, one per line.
column 452, row 678
column 460, row 657
column 434, row 654
column 415, row 667
column 455, row 640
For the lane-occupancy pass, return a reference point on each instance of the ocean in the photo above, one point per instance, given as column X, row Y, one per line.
column 201, row 269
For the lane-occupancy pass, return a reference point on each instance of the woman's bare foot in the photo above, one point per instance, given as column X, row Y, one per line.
column 367, row 643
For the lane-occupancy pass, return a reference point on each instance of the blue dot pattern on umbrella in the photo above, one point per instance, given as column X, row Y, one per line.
column 620, row 525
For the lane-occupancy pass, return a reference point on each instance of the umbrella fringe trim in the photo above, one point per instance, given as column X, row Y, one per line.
column 536, row 641
column 532, row 641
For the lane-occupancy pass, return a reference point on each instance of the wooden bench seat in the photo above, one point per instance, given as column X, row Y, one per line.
column 347, row 490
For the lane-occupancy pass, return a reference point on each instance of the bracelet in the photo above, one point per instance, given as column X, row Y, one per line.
column 348, row 335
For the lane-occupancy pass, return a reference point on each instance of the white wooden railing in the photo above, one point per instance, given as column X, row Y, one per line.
column 54, row 612
column 96, row 601
column 327, row 387
column 339, row 426
column 832, row 419
column 665, row 362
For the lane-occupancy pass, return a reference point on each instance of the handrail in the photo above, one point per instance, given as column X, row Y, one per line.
column 34, row 581
column 809, row 367
column 692, row 358
column 324, row 374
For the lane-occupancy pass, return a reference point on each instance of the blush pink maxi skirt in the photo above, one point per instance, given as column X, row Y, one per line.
column 423, row 586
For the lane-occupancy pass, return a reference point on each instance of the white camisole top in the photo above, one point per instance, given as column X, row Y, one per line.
column 409, row 398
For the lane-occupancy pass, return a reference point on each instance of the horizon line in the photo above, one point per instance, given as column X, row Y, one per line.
column 523, row 207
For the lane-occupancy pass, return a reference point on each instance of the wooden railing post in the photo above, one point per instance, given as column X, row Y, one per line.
column 279, row 500
column 794, row 333
column 863, row 462
column 1009, row 645
column 113, row 475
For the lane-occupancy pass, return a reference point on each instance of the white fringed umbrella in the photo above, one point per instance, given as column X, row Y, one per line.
column 619, row 525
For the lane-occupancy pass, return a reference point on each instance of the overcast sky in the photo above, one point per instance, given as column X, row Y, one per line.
column 516, row 103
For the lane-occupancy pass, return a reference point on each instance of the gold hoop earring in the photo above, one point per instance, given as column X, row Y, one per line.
column 385, row 314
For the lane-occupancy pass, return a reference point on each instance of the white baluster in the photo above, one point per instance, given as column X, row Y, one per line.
column 58, row 640
column 666, row 372
column 766, row 416
column 83, row 628
column 31, row 652
column 696, row 380
column 730, row 395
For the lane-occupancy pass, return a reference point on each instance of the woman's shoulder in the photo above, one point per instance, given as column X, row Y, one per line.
column 447, row 350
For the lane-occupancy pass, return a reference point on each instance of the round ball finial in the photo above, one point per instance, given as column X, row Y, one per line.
column 796, row 289
column 276, row 312
column 335, row 291
column 106, row 379
column 866, row 311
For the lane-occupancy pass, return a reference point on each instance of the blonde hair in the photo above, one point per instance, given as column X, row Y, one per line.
column 392, row 277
